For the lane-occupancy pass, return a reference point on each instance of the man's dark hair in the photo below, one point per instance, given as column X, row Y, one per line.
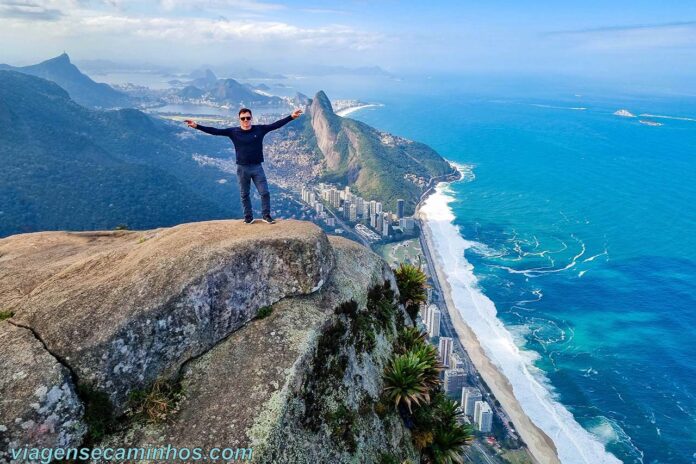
column 244, row 110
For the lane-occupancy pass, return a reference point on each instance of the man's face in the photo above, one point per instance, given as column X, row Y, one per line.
column 245, row 121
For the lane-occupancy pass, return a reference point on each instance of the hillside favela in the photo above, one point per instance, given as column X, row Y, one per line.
column 308, row 233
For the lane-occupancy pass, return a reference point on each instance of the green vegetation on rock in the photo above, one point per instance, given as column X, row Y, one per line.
column 157, row 403
column 264, row 312
column 412, row 382
column 411, row 281
column 99, row 413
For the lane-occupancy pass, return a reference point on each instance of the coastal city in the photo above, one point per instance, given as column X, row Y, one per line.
column 381, row 233
column 398, row 239
column 344, row 211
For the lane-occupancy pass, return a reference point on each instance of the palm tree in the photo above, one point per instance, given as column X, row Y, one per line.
column 440, row 418
column 410, row 338
column 411, row 281
column 405, row 381
column 427, row 353
column 448, row 444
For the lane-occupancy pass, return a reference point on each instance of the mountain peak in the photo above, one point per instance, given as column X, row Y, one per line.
column 322, row 100
column 63, row 58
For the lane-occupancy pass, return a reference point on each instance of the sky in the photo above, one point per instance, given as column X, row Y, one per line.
column 634, row 40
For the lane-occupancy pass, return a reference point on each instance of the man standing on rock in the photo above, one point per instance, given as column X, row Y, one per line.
column 248, row 143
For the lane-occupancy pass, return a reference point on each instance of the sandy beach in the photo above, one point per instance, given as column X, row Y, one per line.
column 539, row 444
column 352, row 109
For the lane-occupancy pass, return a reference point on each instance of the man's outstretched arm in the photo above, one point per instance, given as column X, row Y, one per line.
column 281, row 122
column 207, row 130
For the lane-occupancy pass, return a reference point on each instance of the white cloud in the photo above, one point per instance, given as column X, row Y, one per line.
column 30, row 10
column 233, row 5
column 199, row 30
column 122, row 30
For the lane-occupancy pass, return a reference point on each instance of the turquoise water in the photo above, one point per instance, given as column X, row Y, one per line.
column 586, row 231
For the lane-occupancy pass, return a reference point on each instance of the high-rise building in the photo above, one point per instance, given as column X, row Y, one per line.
column 378, row 207
column 407, row 224
column 426, row 311
column 346, row 210
column 434, row 317
column 379, row 222
column 445, row 350
column 470, row 395
column 483, row 416
column 456, row 362
column 353, row 214
column 455, row 380
column 335, row 198
column 319, row 207
column 373, row 207
column 423, row 310
column 385, row 228
column 399, row 208
column 373, row 221
column 359, row 202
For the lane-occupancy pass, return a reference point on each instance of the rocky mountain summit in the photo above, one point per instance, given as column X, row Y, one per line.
column 275, row 337
column 81, row 87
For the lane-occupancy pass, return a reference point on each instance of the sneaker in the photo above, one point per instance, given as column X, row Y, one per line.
column 248, row 220
column 268, row 219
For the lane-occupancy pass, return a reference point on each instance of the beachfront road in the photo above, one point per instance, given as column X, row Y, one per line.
column 447, row 330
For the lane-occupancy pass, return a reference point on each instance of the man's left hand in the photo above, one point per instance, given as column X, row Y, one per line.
column 296, row 114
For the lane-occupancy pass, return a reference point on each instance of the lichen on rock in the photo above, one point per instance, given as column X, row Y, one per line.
column 277, row 335
column 38, row 402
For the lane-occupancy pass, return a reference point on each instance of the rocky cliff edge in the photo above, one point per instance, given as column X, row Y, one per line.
column 275, row 336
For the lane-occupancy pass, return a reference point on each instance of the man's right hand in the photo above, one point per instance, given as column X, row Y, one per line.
column 191, row 123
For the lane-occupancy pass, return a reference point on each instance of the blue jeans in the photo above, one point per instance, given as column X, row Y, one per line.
column 245, row 174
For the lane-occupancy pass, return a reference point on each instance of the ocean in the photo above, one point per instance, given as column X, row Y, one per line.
column 576, row 229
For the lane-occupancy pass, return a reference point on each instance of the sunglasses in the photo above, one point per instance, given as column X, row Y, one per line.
column 245, row 118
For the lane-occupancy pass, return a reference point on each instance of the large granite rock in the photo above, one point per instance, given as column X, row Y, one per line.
column 38, row 403
column 121, row 311
column 125, row 308
column 326, row 125
column 253, row 390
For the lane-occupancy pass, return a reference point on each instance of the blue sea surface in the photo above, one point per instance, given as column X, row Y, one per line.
column 587, row 229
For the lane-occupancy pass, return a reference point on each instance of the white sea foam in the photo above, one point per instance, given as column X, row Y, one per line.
column 576, row 108
column 592, row 258
column 530, row 386
column 541, row 270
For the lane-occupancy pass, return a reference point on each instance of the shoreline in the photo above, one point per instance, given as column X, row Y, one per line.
column 346, row 111
column 538, row 443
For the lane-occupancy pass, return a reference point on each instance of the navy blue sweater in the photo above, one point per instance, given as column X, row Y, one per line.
column 247, row 143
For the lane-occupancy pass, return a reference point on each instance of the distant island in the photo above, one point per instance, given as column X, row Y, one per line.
column 624, row 113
